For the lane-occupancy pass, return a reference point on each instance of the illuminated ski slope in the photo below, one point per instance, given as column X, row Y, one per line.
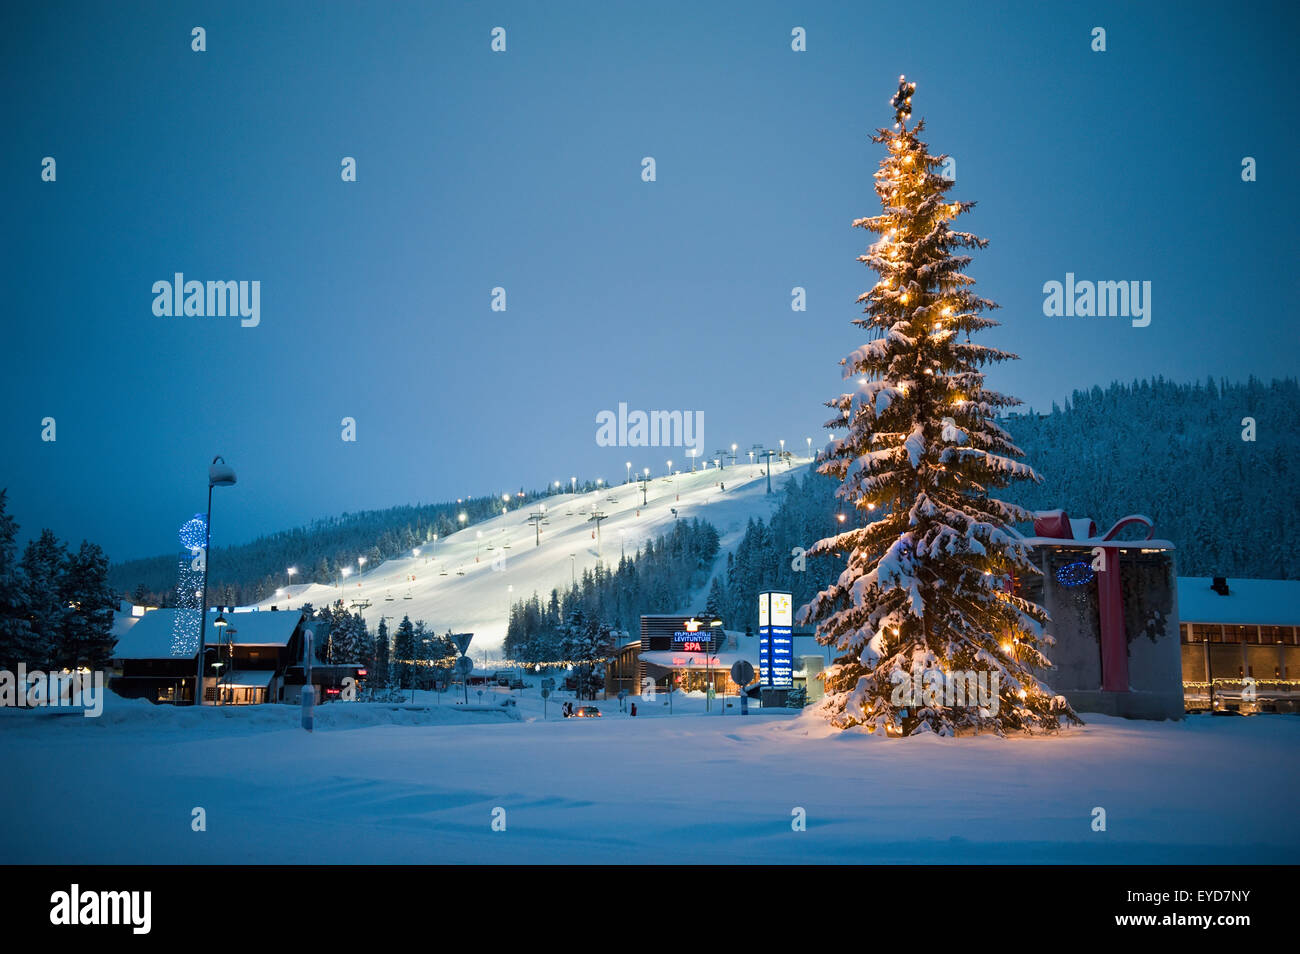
column 467, row 581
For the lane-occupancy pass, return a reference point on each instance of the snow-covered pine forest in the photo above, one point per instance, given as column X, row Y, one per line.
column 1171, row 451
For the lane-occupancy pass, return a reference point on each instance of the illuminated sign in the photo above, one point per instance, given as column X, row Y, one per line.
column 775, row 641
column 681, row 634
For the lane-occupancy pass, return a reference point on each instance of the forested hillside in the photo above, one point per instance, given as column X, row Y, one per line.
column 1171, row 451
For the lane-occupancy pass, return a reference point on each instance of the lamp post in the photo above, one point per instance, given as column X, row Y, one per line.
column 220, row 474
column 809, row 440
column 733, row 455
column 628, row 465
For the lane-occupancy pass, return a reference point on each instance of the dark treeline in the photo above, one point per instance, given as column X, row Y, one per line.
column 770, row 557
column 410, row 655
column 253, row 571
column 1174, row 452
column 659, row 578
column 56, row 607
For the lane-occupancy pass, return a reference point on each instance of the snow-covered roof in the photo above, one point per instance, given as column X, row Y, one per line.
column 1249, row 602
column 1089, row 542
column 174, row 633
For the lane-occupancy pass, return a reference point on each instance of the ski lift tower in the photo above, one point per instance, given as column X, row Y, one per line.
column 537, row 518
column 768, row 455
column 597, row 516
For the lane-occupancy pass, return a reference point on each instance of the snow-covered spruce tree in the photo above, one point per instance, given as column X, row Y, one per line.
column 87, row 629
column 922, row 590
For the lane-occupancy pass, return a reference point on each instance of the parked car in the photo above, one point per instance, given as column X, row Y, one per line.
column 586, row 712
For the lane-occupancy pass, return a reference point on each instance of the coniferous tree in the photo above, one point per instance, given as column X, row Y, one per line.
column 17, row 642
column 87, row 629
column 42, row 589
column 921, row 450
column 380, row 677
column 403, row 653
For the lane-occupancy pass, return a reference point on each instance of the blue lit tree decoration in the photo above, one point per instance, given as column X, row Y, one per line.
column 194, row 532
column 189, row 583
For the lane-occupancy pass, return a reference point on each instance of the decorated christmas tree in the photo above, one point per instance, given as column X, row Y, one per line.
column 926, row 603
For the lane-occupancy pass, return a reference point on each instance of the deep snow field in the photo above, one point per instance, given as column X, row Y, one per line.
column 380, row 783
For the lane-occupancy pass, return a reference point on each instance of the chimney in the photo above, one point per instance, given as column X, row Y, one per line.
column 1220, row 585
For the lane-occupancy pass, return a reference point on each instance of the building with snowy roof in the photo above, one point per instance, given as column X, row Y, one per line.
column 1240, row 643
column 691, row 654
column 246, row 659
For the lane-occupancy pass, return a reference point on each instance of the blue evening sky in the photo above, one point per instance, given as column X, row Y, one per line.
column 523, row 170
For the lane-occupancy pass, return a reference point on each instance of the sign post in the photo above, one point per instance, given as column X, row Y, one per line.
column 308, row 691
column 464, row 666
column 742, row 674
column 547, row 685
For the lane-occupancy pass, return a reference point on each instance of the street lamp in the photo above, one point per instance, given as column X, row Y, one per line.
column 628, row 465
column 670, row 468
column 733, row 455
column 220, row 474
column 809, row 440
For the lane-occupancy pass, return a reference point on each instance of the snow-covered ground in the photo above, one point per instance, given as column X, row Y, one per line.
column 379, row 783
column 467, row 581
